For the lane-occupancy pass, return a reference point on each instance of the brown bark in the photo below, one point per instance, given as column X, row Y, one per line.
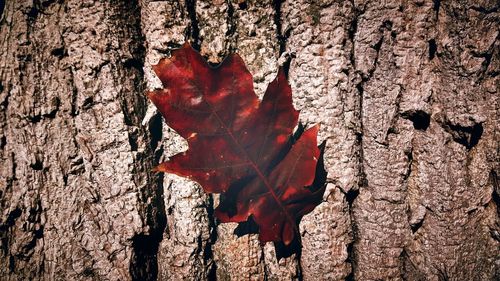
column 406, row 93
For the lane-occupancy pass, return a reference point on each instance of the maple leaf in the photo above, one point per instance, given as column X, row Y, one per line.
column 238, row 146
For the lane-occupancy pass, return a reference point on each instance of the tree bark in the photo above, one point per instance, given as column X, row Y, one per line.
column 406, row 93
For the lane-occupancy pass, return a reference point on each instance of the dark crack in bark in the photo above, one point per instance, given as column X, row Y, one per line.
column 194, row 29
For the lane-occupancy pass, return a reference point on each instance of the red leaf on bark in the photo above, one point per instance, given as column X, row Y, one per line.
column 238, row 146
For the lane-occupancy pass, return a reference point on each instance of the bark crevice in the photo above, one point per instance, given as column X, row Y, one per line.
column 280, row 36
column 194, row 28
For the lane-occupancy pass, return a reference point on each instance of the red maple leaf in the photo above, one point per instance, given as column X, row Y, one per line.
column 239, row 146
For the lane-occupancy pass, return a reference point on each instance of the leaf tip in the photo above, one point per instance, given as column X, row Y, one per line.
column 186, row 44
column 160, row 168
column 288, row 234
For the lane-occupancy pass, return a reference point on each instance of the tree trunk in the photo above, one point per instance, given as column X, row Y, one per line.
column 406, row 93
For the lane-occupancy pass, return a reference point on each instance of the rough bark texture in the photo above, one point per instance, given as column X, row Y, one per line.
column 406, row 92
